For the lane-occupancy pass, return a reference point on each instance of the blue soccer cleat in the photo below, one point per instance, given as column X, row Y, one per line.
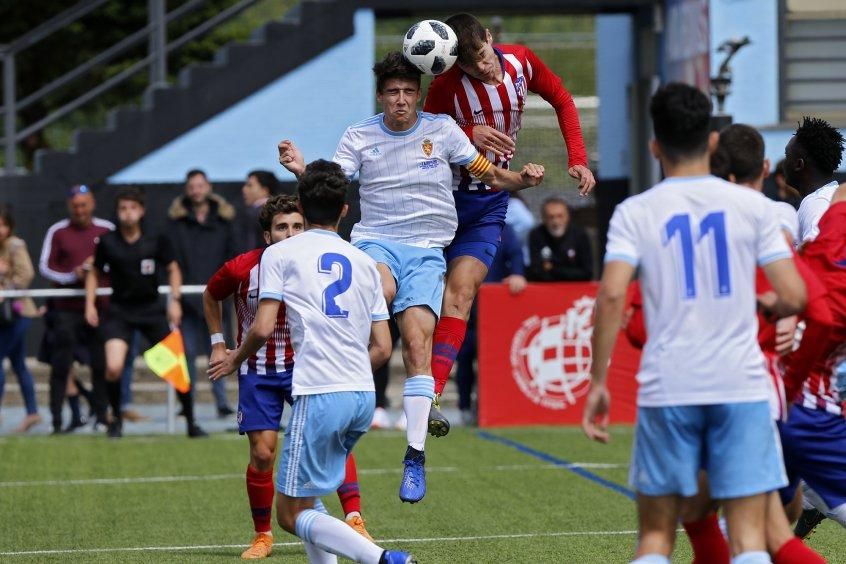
column 413, row 486
column 396, row 557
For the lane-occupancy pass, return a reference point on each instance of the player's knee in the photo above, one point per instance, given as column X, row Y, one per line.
column 262, row 457
column 113, row 371
column 390, row 294
column 461, row 295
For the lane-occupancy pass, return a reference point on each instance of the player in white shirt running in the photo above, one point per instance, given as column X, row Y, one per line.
column 408, row 216
column 338, row 321
column 810, row 159
column 702, row 401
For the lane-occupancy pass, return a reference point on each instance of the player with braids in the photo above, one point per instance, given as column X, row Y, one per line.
column 811, row 157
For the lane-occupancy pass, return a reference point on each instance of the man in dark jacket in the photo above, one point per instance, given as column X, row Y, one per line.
column 558, row 250
column 259, row 186
column 203, row 235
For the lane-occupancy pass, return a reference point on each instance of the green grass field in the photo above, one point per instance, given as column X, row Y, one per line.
column 169, row 499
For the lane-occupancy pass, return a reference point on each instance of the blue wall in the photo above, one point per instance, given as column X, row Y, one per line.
column 614, row 73
column 311, row 105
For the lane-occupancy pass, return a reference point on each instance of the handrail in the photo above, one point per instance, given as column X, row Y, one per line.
column 156, row 60
column 52, row 25
column 187, row 289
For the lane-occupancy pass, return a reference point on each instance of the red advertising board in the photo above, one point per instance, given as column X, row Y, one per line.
column 535, row 355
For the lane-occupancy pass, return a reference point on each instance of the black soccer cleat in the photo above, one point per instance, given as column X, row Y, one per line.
column 808, row 523
column 115, row 429
column 438, row 424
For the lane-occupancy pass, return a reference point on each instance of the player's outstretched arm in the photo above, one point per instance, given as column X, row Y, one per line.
column 610, row 302
column 380, row 344
column 790, row 293
column 530, row 175
column 291, row 158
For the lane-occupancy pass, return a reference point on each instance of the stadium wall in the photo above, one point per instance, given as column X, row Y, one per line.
column 312, row 105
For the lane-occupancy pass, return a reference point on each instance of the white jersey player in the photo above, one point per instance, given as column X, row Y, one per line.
column 338, row 321
column 702, row 402
column 403, row 158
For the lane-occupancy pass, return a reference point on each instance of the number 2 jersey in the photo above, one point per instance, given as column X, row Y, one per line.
column 333, row 293
column 239, row 277
column 697, row 241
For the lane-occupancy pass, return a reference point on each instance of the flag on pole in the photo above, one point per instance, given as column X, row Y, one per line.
column 167, row 360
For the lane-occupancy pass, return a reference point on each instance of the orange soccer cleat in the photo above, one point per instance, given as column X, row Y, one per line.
column 261, row 547
column 357, row 523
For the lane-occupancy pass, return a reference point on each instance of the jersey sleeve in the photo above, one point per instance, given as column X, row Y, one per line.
column 810, row 212
column 771, row 243
column 271, row 276
column 788, row 218
column 347, row 154
column 548, row 85
column 460, row 150
column 379, row 308
column 224, row 282
column 623, row 244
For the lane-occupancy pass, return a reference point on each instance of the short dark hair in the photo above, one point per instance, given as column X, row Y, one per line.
column 555, row 200
column 130, row 193
column 720, row 164
column 322, row 189
column 266, row 179
column 681, row 120
column 744, row 147
column 195, row 172
column 7, row 217
column 471, row 35
column 394, row 65
column 283, row 203
column 821, row 143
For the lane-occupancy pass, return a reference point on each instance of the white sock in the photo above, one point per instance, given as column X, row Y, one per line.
column 352, row 514
column 651, row 559
column 335, row 536
column 752, row 557
column 318, row 506
column 317, row 555
column 416, row 402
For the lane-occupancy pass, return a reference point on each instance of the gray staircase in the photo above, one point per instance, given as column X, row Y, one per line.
column 201, row 92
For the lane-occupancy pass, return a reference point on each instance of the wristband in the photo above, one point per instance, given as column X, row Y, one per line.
column 217, row 338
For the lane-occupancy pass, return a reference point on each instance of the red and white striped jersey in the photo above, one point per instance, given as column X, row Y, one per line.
column 472, row 102
column 240, row 277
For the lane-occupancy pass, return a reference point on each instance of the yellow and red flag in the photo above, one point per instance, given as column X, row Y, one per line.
column 167, row 360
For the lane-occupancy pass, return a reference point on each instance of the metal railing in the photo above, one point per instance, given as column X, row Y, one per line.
column 155, row 33
column 187, row 289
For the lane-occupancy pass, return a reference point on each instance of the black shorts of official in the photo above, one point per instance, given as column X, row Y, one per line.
column 149, row 319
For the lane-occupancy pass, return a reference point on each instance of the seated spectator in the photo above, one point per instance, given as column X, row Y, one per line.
column 507, row 267
column 259, row 186
column 16, row 273
column 558, row 250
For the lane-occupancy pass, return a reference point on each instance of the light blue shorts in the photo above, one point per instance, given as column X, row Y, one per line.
column 419, row 273
column 322, row 431
column 737, row 444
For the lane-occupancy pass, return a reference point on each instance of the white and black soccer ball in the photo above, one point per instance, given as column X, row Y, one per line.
column 431, row 46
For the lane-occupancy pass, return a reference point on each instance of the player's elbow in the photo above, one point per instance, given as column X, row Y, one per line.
column 262, row 331
column 611, row 295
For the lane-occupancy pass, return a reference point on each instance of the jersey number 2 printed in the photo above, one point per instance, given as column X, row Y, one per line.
column 339, row 286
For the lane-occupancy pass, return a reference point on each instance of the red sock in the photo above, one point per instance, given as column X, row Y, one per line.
column 709, row 544
column 349, row 493
column 449, row 335
column 260, row 492
column 795, row 551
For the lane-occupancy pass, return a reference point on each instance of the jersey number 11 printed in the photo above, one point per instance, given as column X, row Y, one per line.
column 714, row 223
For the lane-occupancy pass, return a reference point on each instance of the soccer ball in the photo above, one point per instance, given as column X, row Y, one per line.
column 431, row 46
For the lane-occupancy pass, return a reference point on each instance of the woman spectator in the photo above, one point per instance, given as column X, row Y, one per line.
column 16, row 272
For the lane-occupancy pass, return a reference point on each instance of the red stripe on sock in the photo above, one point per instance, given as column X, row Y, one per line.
column 260, row 492
column 447, row 341
column 709, row 544
column 349, row 493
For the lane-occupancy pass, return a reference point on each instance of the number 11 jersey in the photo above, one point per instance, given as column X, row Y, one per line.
column 333, row 293
column 697, row 241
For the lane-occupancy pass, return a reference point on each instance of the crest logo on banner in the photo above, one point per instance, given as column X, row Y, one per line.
column 551, row 356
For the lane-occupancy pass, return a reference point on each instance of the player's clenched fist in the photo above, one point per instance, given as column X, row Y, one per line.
column 532, row 174
column 290, row 157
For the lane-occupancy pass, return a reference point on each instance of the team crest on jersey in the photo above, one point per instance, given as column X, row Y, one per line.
column 427, row 147
column 520, row 86
column 550, row 356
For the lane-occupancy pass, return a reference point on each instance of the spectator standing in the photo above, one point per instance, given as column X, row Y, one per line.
column 203, row 235
column 507, row 267
column 66, row 256
column 259, row 186
column 16, row 273
column 558, row 250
